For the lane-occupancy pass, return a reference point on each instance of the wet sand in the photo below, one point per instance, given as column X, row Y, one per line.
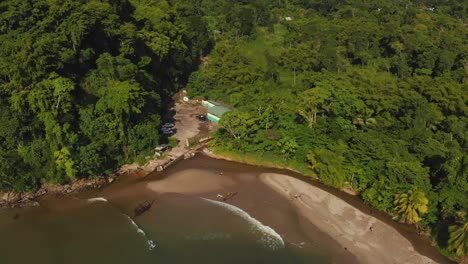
column 368, row 238
column 319, row 222
column 204, row 177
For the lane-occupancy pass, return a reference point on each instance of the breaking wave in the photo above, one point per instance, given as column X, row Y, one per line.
column 266, row 236
column 97, row 199
column 151, row 244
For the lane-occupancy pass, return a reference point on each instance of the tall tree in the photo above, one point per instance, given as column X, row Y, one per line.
column 411, row 205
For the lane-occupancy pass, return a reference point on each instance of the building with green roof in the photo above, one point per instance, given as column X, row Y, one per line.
column 210, row 103
column 215, row 110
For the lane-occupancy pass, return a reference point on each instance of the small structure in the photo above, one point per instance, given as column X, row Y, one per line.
column 209, row 103
column 215, row 110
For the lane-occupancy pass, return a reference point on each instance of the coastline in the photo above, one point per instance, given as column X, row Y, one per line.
column 187, row 127
column 268, row 165
column 405, row 231
column 366, row 237
column 347, row 231
column 30, row 199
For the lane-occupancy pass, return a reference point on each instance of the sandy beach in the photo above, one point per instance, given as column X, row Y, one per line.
column 368, row 238
column 310, row 219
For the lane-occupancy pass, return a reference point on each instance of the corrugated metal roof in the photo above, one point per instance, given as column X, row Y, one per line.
column 213, row 102
column 218, row 110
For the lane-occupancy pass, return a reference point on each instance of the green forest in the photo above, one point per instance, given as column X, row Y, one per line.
column 83, row 84
column 368, row 95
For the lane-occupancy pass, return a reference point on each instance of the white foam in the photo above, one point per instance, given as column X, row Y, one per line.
column 151, row 244
column 267, row 236
column 208, row 236
column 97, row 199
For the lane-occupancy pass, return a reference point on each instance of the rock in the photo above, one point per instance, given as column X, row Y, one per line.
column 27, row 204
column 13, row 197
column 27, row 196
column 41, row 192
column 3, row 197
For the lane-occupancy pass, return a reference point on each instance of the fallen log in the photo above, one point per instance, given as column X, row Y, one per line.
column 143, row 207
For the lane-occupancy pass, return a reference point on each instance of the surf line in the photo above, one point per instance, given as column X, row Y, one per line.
column 150, row 242
column 267, row 236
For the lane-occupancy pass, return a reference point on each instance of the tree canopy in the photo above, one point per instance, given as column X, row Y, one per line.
column 83, row 83
column 370, row 95
column 365, row 94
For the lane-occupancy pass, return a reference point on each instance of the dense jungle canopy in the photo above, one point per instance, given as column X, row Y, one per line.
column 368, row 95
column 82, row 83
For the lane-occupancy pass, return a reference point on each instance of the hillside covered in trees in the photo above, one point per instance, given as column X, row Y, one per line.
column 369, row 95
column 364, row 94
column 82, row 83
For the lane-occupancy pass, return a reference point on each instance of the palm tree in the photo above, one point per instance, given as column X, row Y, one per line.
column 458, row 240
column 411, row 205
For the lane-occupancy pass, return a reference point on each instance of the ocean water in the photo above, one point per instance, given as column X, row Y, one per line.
column 178, row 229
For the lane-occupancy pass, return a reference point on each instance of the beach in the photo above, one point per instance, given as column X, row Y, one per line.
column 368, row 238
column 277, row 200
column 305, row 223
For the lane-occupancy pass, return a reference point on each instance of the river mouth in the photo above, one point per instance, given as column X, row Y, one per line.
column 187, row 223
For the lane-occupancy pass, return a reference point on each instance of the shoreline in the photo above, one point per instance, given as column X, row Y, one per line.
column 352, row 199
column 191, row 178
column 212, row 155
column 187, row 127
column 366, row 237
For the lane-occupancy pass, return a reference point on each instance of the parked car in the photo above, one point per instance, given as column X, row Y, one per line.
column 167, row 131
column 162, row 148
column 168, row 125
column 159, row 150
column 202, row 118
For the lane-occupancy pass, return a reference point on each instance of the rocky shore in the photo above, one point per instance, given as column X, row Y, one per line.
column 30, row 199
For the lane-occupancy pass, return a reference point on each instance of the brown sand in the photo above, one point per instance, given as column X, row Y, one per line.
column 316, row 221
column 207, row 178
column 368, row 238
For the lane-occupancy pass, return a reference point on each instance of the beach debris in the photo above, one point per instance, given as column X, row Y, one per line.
column 295, row 196
column 226, row 196
column 299, row 245
column 143, row 207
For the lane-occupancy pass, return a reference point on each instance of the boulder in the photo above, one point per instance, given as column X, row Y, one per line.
column 14, row 197
column 28, row 196
column 3, row 197
column 41, row 192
